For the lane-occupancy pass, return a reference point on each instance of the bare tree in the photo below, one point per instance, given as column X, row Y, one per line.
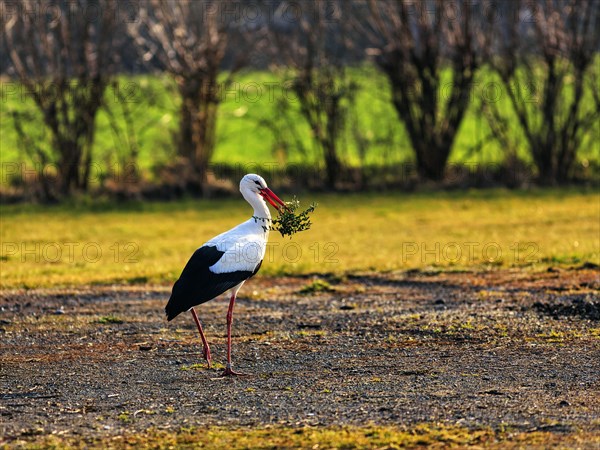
column 190, row 40
column 417, row 44
column 545, row 53
column 314, row 45
column 61, row 52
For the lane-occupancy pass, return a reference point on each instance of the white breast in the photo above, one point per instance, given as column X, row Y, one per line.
column 244, row 247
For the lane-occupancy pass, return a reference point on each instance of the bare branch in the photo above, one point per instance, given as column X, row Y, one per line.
column 415, row 43
column 191, row 39
column 65, row 60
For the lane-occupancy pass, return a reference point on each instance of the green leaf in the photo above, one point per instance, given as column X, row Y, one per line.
column 289, row 222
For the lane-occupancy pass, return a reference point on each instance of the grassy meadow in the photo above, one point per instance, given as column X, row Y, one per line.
column 253, row 130
column 44, row 246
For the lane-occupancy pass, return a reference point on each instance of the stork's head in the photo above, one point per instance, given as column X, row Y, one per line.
column 253, row 185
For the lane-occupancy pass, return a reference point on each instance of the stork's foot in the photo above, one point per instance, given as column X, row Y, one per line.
column 229, row 372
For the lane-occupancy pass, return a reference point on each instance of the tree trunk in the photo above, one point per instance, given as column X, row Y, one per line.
column 189, row 92
column 542, row 152
column 68, row 168
column 197, row 126
column 204, row 128
column 431, row 145
column 431, row 159
column 333, row 127
column 566, row 162
column 332, row 165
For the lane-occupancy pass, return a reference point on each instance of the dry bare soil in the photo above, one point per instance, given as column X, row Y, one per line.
column 501, row 350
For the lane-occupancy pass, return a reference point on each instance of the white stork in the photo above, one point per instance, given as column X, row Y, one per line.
column 225, row 262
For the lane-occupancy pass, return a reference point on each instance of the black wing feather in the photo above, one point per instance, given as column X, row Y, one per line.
column 197, row 284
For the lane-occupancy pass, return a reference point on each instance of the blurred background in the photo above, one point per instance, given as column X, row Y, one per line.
column 433, row 134
column 149, row 99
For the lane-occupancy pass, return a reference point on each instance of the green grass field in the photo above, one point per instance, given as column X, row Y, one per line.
column 138, row 243
column 242, row 138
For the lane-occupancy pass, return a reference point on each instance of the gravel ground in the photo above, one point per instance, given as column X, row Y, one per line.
column 479, row 349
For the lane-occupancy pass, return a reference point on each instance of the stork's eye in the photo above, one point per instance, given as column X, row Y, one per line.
column 257, row 183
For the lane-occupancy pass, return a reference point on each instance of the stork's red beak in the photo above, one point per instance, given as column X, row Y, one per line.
column 270, row 196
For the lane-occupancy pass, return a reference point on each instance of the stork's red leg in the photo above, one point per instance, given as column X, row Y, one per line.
column 206, row 353
column 228, row 370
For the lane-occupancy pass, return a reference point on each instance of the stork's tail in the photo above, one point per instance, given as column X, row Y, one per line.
column 171, row 310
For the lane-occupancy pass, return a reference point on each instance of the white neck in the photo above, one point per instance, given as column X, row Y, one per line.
column 258, row 203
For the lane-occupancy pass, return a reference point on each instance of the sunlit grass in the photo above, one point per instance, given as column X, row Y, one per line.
column 368, row 437
column 139, row 243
